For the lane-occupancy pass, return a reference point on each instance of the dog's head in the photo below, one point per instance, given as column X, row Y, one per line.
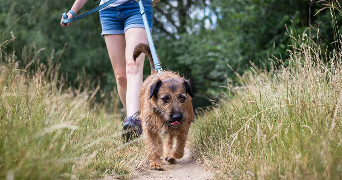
column 172, row 99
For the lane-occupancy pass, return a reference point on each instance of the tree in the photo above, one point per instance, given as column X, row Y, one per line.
column 199, row 39
column 173, row 17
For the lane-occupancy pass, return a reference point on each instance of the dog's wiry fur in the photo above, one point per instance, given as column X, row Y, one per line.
column 164, row 100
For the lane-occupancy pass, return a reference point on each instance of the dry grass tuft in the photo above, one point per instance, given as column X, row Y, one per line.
column 49, row 131
column 281, row 124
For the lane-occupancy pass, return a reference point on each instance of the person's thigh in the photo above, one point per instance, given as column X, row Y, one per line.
column 116, row 45
column 135, row 36
column 134, row 27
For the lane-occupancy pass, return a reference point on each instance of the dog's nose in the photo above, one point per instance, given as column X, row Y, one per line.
column 176, row 116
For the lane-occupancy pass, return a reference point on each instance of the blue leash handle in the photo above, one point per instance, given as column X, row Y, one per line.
column 157, row 65
column 66, row 20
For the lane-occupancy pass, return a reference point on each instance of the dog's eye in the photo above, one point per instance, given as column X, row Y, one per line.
column 166, row 99
column 181, row 98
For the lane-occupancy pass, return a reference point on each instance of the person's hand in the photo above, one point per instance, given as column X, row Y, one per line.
column 69, row 17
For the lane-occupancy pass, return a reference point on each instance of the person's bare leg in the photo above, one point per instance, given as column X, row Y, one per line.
column 116, row 49
column 134, row 70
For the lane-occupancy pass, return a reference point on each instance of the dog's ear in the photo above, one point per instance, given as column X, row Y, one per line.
column 188, row 89
column 154, row 89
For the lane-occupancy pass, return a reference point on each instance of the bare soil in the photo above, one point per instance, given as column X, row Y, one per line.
column 185, row 168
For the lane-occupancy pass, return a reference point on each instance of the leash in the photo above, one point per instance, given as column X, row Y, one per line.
column 66, row 20
column 157, row 65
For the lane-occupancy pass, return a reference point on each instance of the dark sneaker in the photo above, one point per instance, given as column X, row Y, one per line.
column 132, row 128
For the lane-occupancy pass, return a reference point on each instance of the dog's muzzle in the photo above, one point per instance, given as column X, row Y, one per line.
column 176, row 118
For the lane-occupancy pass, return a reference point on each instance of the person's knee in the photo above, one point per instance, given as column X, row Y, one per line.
column 132, row 67
column 121, row 79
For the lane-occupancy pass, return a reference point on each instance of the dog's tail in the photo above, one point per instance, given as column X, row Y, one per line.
column 144, row 48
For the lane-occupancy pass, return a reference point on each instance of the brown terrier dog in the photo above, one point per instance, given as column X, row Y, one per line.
column 165, row 105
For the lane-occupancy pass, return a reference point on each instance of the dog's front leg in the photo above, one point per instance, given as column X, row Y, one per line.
column 168, row 148
column 154, row 145
column 178, row 150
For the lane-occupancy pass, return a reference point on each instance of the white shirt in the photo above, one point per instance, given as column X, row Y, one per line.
column 114, row 4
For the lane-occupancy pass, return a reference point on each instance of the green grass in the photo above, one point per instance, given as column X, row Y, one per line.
column 49, row 131
column 281, row 124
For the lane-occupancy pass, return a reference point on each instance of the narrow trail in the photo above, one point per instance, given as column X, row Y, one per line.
column 185, row 168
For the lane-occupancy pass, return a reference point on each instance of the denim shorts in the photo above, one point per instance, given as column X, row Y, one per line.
column 117, row 20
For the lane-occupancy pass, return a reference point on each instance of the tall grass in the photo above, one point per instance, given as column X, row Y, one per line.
column 49, row 131
column 282, row 124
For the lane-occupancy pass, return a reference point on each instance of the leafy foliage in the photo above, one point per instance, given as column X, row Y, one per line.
column 199, row 39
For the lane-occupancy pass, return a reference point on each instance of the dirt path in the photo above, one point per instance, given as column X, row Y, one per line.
column 185, row 168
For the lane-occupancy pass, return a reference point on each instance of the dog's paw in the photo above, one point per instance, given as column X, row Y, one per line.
column 177, row 153
column 170, row 160
column 157, row 167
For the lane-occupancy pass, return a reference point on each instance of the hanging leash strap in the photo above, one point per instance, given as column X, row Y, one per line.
column 66, row 20
column 157, row 65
